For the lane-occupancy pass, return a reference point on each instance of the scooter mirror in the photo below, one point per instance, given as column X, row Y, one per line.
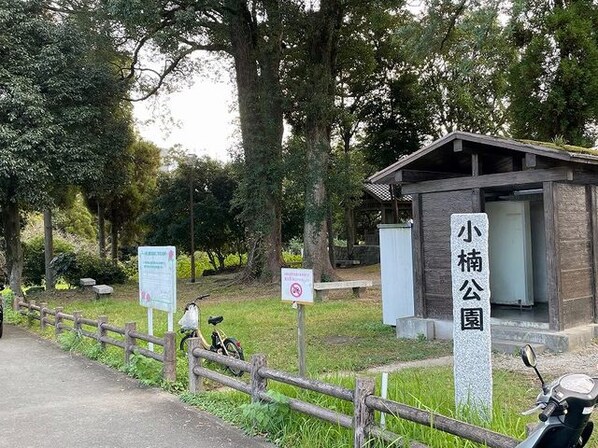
column 528, row 355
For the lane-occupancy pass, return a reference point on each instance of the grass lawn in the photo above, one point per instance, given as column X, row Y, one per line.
column 344, row 334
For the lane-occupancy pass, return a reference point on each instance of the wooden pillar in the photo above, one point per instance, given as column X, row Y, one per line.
column 58, row 321
column 363, row 417
column 418, row 259
column 42, row 315
column 102, row 331
column 195, row 381
column 76, row 322
column 129, row 341
column 552, row 257
column 258, row 384
column 593, row 207
column 30, row 312
column 169, row 357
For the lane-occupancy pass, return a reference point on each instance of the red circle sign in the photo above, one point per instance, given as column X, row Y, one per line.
column 296, row 290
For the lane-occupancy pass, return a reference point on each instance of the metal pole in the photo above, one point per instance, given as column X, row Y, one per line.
column 301, row 338
column 192, row 230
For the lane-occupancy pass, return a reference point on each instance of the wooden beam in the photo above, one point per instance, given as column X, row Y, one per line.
column 458, row 145
column 490, row 180
column 403, row 176
column 593, row 199
column 475, row 164
column 418, row 259
column 551, row 228
column 584, row 177
column 530, row 161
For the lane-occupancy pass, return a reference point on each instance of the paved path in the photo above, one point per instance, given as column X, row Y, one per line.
column 50, row 398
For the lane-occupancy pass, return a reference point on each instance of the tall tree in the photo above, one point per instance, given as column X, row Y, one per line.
column 554, row 84
column 250, row 33
column 54, row 103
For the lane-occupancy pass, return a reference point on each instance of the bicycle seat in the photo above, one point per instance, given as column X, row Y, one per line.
column 215, row 319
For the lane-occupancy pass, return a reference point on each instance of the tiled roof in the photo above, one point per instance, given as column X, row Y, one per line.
column 382, row 192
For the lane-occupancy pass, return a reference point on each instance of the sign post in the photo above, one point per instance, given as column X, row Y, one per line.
column 157, row 283
column 471, row 312
column 297, row 286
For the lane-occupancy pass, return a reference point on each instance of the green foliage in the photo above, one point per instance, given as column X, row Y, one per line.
column 76, row 219
column 216, row 230
column 268, row 417
column 147, row 370
column 72, row 266
column 554, row 85
column 34, row 270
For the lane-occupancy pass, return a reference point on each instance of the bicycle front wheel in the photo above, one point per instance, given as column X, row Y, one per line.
column 233, row 347
column 185, row 341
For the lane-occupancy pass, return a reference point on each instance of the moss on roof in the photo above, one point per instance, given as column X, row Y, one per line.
column 562, row 147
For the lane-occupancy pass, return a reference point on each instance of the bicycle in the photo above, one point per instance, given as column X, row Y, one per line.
column 220, row 343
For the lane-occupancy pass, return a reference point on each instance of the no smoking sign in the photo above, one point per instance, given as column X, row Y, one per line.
column 297, row 285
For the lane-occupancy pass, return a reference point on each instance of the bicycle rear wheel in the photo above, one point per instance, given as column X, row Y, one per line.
column 233, row 347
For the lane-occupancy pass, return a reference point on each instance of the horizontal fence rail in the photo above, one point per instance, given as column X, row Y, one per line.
column 365, row 403
column 99, row 331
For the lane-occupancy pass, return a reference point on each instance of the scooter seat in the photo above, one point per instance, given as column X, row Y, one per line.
column 215, row 319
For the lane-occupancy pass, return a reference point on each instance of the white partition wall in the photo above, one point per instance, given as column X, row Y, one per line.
column 396, row 266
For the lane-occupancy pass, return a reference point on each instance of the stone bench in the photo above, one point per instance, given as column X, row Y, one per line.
column 102, row 290
column 84, row 282
column 356, row 285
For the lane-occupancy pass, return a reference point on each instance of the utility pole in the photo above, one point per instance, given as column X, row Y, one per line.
column 192, row 224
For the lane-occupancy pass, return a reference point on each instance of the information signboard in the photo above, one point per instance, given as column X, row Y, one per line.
column 157, row 277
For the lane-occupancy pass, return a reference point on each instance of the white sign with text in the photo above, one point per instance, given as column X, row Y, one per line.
column 157, row 277
column 297, row 285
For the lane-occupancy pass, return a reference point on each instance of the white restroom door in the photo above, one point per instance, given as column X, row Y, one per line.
column 509, row 240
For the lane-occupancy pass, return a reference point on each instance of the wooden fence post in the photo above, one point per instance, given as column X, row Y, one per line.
column 42, row 315
column 129, row 341
column 30, row 312
column 58, row 321
column 363, row 417
column 76, row 323
column 102, row 331
column 258, row 384
column 169, row 356
column 195, row 381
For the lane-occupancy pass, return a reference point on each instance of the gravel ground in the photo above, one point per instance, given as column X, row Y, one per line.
column 550, row 365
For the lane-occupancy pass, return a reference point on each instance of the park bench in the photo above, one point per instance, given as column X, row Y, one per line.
column 356, row 285
column 102, row 290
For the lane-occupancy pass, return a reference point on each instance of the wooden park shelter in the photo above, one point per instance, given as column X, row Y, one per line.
column 542, row 205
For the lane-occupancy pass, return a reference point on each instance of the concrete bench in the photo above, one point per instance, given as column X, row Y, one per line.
column 83, row 282
column 356, row 285
column 346, row 263
column 102, row 290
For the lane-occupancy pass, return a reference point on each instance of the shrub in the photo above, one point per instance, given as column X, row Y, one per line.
column 34, row 260
column 71, row 267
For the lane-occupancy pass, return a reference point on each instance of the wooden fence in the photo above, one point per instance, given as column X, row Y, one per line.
column 365, row 403
column 101, row 329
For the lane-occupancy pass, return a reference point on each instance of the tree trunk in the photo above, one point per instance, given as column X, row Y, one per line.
column 101, row 231
column 315, row 230
column 11, row 221
column 330, row 236
column 257, row 68
column 350, row 226
column 114, row 242
column 321, row 41
column 48, row 248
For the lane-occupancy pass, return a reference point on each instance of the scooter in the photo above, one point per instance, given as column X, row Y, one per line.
column 566, row 405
